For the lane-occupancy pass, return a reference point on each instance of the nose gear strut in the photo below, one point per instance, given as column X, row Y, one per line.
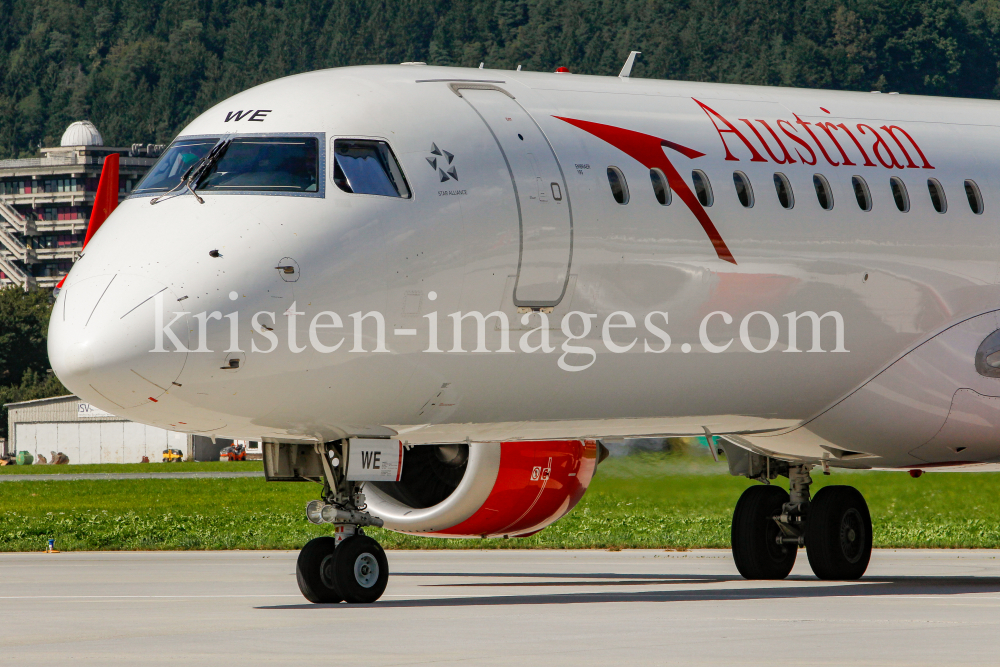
column 343, row 503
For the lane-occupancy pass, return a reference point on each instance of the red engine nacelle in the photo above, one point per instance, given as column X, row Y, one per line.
column 485, row 489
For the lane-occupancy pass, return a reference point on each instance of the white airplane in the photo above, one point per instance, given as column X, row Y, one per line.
column 433, row 290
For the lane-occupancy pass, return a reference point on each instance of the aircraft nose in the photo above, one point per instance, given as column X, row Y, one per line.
column 103, row 338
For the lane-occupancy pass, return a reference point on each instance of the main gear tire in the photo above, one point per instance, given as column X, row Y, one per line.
column 755, row 535
column 839, row 534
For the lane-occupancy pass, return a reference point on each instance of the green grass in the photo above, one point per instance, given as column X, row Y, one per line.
column 629, row 505
column 183, row 466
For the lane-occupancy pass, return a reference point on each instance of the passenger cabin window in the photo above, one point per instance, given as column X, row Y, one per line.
column 661, row 188
column 899, row 194
column 702, row 187
column 784, row 190
column 175, row 162
column 937, row 195
column 975, row 197
column 265, row 164
column 862, row 193
column 366, row 167
column 824, row 195
column 619, row 188
column 744, row 192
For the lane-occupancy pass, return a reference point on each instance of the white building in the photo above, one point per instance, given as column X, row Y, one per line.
column 88, row 435
column 45, row 203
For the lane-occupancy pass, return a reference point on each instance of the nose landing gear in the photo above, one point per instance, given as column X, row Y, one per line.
column 770, row 525
column 351, row 567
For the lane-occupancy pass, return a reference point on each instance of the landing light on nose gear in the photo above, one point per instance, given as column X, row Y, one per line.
column 769, row 525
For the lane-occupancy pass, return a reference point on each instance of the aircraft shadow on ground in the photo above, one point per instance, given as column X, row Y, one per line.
column 760, row 590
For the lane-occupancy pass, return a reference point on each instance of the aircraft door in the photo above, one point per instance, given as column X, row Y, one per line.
column 542, row 201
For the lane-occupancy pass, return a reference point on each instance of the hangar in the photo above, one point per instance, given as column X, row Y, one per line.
column 84, row 433
column 87, row 434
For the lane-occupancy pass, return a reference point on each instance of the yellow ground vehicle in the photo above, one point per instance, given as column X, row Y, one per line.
column 172, row 456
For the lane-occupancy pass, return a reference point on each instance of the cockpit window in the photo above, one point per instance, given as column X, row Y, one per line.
column 367, row 167
column 248, row 164
column 173, row 164
column 265, row 164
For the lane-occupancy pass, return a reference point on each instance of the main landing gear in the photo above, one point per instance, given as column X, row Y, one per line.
column 769, row 525
column 352, row 566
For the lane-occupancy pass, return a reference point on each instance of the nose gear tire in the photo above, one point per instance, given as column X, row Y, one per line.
column 839, row 533
column 315, row 571
column 755, row 534
column 361, row 570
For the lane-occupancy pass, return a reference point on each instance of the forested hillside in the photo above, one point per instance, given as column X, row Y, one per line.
column 140, row 69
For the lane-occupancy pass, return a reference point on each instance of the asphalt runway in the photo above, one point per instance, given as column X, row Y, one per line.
column 498, row 608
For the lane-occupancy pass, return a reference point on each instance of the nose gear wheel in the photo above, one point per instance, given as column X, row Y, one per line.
column 314, row 571
column 360, row 569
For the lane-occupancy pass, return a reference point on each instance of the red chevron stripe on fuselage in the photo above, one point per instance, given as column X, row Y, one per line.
column 648, row 150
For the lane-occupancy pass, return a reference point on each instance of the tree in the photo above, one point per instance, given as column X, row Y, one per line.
column 24, row 362
column 142, row 69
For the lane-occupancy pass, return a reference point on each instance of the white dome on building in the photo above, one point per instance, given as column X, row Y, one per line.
column 82, row 133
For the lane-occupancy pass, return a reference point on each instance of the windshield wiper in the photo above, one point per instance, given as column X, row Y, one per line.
column 196, row 172
column 203, row 168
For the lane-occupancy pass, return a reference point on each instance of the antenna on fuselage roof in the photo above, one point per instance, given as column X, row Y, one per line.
column 627, row 69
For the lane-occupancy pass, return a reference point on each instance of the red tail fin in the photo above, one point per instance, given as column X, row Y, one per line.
column 107, row 197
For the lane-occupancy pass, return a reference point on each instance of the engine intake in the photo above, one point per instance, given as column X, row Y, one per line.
column 485, row 489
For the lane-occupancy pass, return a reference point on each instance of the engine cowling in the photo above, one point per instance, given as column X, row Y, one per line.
column 485, row 489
